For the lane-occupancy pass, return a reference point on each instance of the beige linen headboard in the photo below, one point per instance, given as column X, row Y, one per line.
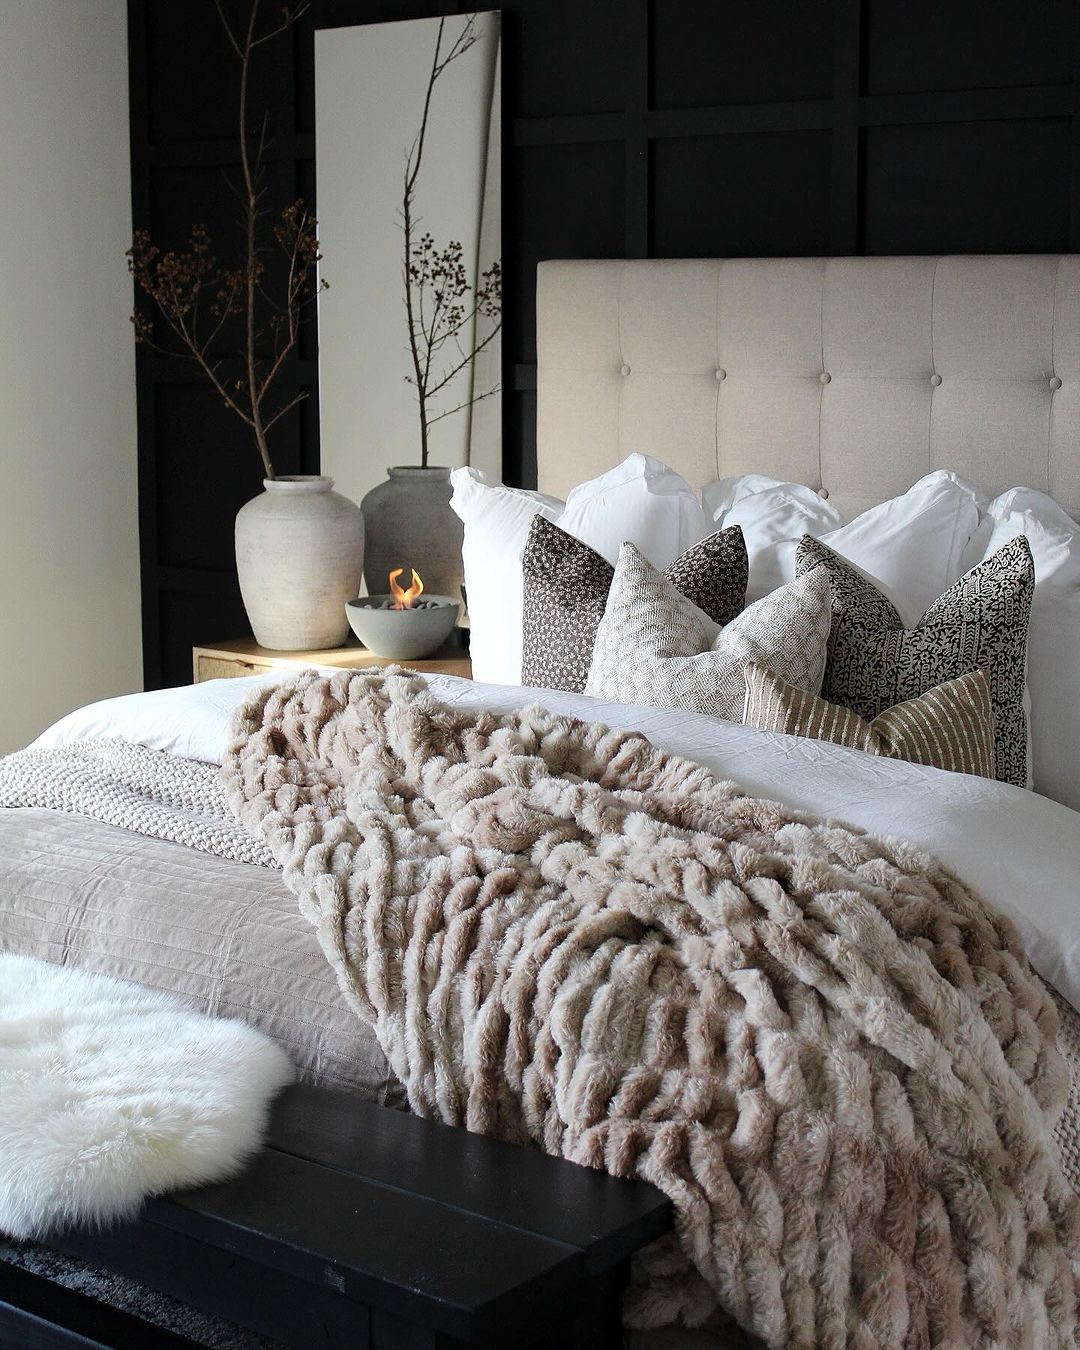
column 853, row 375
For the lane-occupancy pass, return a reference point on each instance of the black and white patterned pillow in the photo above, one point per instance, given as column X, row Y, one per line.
column 981, row 622
column 565, row 586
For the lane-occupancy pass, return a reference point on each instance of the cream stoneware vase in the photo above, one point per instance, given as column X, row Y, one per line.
column 299, row 556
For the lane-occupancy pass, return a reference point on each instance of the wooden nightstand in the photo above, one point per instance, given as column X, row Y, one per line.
column 244, row 656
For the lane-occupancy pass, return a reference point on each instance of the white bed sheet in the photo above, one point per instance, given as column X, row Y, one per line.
column 1022, row 851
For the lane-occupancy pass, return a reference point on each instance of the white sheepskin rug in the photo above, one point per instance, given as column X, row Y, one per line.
column 110, row 1093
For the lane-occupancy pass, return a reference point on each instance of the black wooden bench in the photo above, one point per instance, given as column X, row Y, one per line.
column 366, row 1228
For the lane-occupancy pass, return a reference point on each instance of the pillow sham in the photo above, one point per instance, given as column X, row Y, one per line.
column 1053, row 646
column 949, row 727
column 565, row 586
column 913, row 544
column 640, row 499
column 773, row 517
column 980, row 622
column 657, row 648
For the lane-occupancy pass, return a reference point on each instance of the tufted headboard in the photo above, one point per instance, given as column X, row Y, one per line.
column 852, row 375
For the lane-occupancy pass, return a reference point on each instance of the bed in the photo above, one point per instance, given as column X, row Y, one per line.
column 852, row 376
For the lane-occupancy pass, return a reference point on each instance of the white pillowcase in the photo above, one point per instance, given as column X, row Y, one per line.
column 773, row 516
column 497, row 521
column 914, row 544
column 1053, row 650
column 641, row 499
column 185, row 720
column 911, row 546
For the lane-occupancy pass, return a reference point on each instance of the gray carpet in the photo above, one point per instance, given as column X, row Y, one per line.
column 160, row 1309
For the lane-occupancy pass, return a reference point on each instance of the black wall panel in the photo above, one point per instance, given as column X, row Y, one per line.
column 915, row 46
column 568, row 56
column 757, row 193
column 566, row 202
column 967, row 187
column 634, row 128
column 773, row 53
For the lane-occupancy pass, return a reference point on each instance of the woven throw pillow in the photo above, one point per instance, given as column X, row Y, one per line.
column 565, row 588
column 980, row 623
column 655, row 647
column 949, row 727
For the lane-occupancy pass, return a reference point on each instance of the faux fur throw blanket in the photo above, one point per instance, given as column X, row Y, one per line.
column 829, row 1053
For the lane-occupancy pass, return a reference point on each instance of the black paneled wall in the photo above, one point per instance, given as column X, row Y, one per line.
column 635, row 128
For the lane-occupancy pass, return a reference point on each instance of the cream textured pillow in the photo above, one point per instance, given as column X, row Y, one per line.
column 654, row 647
column 949, row 727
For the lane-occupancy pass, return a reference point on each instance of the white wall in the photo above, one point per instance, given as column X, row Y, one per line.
column 69, row 574
column 369, row 94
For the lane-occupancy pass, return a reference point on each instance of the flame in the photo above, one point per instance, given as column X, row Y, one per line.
column 404, row 599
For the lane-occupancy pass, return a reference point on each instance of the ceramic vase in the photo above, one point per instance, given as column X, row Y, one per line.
column 299, row 556
column 408, row 523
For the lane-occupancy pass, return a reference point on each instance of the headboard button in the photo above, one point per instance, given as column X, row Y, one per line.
column 625, row 370
column 824, row 377
column 720, row 373
column 823, row 493
column 935, row 379
column 1055, row 382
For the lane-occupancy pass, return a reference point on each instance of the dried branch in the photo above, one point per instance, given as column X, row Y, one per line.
column 476, row 398
column 436, row 281
column 183, row 285
column 457, row 367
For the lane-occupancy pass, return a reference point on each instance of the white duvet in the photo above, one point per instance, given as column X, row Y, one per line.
column 1021, row 850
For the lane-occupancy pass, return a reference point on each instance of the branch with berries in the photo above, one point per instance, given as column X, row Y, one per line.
column 449, row 321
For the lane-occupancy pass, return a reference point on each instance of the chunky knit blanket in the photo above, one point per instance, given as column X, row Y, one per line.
column 137, row 789
column 829, row 1053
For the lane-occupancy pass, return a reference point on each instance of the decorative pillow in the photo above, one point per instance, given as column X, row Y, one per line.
column 949, row 727
column 1053, row 646
column 565, row 588
column 980, row 623
column 913, row 543
column 640, row 499
column 655, row 647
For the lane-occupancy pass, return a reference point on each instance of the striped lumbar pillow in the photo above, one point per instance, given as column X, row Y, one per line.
column 949, row 727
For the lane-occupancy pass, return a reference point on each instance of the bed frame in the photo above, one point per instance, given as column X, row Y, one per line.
column 368, row 1228
column 855, row 376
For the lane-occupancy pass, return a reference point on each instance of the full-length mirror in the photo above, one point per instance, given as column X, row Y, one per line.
column 408, row 162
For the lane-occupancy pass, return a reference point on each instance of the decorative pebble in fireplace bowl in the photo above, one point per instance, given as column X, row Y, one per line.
column 406, row 624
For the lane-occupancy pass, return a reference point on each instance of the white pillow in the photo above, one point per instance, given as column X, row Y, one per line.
column 724, row 494
column 641, row 499
column 187, row 720
column 773, row 517
column 911, row 546
column 1053, row 648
